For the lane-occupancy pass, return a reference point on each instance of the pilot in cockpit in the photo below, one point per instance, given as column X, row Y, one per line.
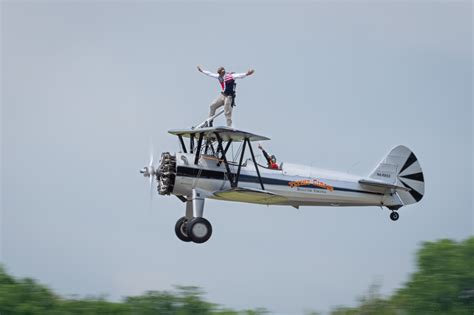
column 271, row 160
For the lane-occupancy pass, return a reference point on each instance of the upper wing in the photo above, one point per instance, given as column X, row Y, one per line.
column 250, row 195
column 226, row 134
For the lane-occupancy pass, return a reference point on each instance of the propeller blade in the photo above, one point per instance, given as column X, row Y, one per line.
column 151, row 187
column 151, row 181
column 151, row 160
column 152, row 152
column 150, row 172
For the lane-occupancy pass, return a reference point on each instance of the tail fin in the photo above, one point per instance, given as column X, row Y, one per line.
column 401, row 167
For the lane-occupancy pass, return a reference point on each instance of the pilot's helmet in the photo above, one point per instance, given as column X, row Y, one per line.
column 274, row 159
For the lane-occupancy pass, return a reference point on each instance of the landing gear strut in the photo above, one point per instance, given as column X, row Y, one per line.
column 394, row 216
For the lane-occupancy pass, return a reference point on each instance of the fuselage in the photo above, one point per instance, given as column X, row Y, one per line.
column 300, row 185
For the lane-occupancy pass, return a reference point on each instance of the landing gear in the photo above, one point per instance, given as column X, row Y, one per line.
column 394, row 216
column 193, row 227
column 199, row 230
column 180, row 229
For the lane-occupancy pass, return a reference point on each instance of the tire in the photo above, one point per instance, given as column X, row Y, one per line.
column 180, row 230
column 394, row 216
column 199, row 230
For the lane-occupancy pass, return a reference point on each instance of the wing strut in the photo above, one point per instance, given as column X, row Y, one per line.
column 225, row 150
column 191, row 143
column 234, row 178
column 240, row 163
column 183, row 146
column 226, row 163
column 198, row 150
column 255, row 163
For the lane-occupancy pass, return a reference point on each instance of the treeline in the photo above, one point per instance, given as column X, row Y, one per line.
column 442, row 284
column 27, row 297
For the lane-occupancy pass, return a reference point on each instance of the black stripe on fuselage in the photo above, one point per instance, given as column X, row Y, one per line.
column 218, row 175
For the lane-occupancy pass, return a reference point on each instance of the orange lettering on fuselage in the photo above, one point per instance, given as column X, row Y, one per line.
column 313, row 182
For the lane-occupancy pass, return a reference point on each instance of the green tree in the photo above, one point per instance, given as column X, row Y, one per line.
column 372, row 303
column 26, row 297
column 444, row 282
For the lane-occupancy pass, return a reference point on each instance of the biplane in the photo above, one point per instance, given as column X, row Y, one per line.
column 204, row 168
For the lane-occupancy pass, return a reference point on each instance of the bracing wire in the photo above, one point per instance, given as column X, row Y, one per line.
column 236, row 156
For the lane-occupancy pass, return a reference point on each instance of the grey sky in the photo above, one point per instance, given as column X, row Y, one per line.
column 86, row 84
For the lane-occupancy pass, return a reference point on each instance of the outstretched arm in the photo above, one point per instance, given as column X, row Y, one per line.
column 208, row 73
column 267, row 157
column 242, row 75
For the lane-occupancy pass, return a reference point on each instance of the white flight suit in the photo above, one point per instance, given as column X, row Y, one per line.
column 223, row 100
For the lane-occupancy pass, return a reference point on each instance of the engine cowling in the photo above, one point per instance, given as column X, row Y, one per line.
column 166, row 175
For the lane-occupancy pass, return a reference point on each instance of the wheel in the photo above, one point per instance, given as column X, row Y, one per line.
column 199, row 230
column 180, row 229
column 394, row 216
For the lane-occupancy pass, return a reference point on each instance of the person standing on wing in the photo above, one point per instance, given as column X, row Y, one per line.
column 227, row 97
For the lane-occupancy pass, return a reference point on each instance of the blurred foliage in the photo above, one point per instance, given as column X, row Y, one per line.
column 26, row 297
column 442, row 284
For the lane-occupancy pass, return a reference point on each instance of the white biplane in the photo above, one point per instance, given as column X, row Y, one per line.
column 204, row 170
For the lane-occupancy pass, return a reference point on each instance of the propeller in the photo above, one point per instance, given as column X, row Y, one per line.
column 150, row 172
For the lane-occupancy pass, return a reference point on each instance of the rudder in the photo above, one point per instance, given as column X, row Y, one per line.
column 401, row 167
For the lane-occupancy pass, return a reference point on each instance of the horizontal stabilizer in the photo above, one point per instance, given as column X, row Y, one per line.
column 250, row 195
column 377, row 183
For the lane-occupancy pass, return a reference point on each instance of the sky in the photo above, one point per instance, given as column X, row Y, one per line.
column 86, row 86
